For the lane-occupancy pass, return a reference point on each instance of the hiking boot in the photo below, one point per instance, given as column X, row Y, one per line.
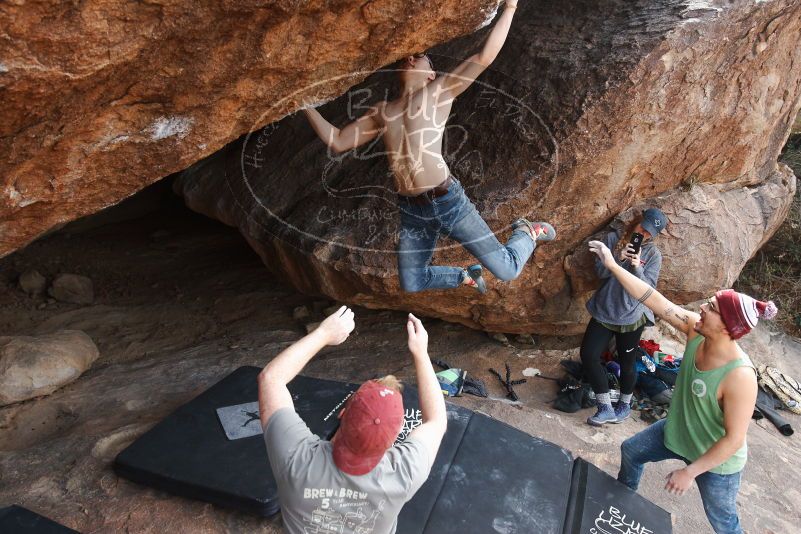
column 476, row 273
column 605, row 414
column 539, row 231
column 622, row 412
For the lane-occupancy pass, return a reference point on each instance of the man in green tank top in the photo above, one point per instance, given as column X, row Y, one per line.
column 713, row 401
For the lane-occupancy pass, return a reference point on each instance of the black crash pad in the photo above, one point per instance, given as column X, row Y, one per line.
column 487, row 477
column 602, row 505
column 415, row 513
column 188, row 453
column 18, row 520
column 501, row 480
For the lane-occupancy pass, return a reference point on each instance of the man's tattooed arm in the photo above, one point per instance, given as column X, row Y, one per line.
column 678, row 316
column 646, row 295
column 675, row 315
column 652, row 299
column 672, row 311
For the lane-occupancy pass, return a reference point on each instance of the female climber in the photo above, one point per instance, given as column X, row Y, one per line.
column 616, row 313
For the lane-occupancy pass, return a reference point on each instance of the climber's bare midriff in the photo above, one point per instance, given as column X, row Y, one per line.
column 413, row 132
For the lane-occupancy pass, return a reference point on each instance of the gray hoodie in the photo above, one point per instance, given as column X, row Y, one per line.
column 611, row 303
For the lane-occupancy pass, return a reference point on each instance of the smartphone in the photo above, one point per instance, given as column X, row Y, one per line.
column 636, row 241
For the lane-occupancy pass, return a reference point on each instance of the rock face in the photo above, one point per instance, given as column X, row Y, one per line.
column 589, row 113
column 713, row 230
column 103, row 97
column 35, row 366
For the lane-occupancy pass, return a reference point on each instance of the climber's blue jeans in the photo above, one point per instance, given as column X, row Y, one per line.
column 718, row 492
column 453, row 215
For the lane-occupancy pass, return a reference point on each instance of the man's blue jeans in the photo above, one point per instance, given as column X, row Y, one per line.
column 718, row 492
column 453, row 215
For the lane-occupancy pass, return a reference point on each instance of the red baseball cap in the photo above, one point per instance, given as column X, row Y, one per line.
column 369, row 425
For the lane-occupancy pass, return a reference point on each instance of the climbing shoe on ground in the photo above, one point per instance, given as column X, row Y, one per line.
column 541, row 231
column 605, row 414
column 476, row 273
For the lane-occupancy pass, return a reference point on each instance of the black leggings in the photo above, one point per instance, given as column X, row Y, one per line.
column 595, row 343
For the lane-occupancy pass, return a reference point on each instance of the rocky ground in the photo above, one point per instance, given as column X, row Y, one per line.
column 180, row 301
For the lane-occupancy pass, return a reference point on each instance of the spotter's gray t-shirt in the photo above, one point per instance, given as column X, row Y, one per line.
column 316, row 497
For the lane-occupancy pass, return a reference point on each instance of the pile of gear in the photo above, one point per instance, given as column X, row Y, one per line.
column 454, row 381
column 656, row 377
column 777, row 391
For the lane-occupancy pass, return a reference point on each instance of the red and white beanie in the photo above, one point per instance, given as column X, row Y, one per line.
column 740, row 312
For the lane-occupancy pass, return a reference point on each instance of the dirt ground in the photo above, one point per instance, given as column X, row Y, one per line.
column 181, row 301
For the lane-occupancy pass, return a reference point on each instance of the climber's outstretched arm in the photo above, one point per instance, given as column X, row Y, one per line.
column 466, row 73
column 362, row 130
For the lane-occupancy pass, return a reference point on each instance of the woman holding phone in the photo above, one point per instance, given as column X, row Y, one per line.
column 615, row 313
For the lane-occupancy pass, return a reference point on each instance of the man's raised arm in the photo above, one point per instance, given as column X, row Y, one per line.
column 675, row 315
column 466, row 73
column 273, row 393
column 432, row 404
column 358, row 132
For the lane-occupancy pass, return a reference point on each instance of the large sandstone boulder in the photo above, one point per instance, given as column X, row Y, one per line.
column 102, row 97
column 591, row 110
column 713, row 231
column 35, row 366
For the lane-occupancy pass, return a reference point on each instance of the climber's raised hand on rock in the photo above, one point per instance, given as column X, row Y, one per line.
column 604, row 254
column 456, row 82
